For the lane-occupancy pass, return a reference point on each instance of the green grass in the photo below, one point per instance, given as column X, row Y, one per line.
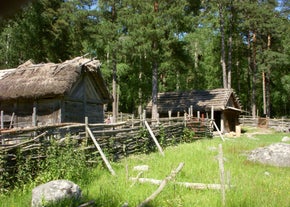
column 255, row 184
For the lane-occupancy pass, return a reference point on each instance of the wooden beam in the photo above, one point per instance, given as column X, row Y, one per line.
column 162, row 185
column 101, row 151
column 197, row 186
column 154, row 138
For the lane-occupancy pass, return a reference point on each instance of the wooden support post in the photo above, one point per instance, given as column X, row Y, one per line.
column 222, row 174
column 212, row 113
column 169, row 116
column 162, row 185
column 154, row 138
column 198, row 115
column 222, row 123
column 2, row 119
column 100, row 151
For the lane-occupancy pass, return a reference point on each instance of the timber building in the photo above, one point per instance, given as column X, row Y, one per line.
column 225, row 103
column 45, row 94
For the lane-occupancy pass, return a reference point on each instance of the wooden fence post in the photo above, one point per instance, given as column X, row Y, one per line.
column 34, row 114
column 169, row 116
column 2, row 119
column 86, row 125
column 132, row 121
column 191, row 111
column 144, row 115
column 222, row 174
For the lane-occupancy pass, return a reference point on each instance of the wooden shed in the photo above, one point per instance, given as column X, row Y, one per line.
column 225, row 103
column 44, row 94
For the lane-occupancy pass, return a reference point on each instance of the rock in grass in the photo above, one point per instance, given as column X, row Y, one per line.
column 286, row 139
column 54, row 191
column 277, row 154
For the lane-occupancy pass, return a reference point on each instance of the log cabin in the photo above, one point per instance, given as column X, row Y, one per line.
column 225, row 103
column 50, row 93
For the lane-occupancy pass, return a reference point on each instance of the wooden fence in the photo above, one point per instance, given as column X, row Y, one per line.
column 117, row 140
column 281, row 124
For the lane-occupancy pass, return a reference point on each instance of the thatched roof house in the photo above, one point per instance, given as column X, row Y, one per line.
column 225, row 102
column 53, row 93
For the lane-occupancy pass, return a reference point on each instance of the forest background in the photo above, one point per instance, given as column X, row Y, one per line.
column 155, row 46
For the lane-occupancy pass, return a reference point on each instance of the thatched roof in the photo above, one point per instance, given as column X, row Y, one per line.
column 48, row 80
column 200, row 100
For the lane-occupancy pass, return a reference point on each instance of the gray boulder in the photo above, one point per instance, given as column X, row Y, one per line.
column 285, row 139
column 277, row 154
column 54, row 191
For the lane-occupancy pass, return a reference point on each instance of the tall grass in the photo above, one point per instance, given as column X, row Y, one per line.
column 254, row 184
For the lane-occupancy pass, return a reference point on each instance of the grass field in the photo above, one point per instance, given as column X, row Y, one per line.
column 255, row 185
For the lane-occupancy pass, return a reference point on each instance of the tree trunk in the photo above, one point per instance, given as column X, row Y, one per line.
column 140, row 96
column 249, row 106
column 230, row 47
column 264, row 92
column 223, row 54
column 154, row 76
column 154, row 90
column 254, row 76
column 114, row 56
column 177, row 80
column 268, row 81
column 115, row 101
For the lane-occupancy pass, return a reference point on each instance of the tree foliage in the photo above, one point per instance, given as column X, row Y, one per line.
column 175, row 43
